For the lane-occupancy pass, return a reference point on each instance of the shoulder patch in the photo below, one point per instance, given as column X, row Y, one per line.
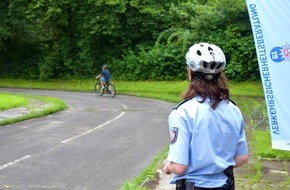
column 174, row 135
column 176, row 107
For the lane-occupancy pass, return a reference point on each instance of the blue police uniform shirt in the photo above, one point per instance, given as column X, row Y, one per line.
column 206, row 140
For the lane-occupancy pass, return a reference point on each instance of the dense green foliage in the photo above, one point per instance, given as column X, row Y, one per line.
column 139, row 40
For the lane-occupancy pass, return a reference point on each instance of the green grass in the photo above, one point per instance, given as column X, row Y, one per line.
column 148, row 174
column 248, row 89
column 8, row 101
column 263, row 149
column 72, row 85
column 163, row 90
column 52, row 105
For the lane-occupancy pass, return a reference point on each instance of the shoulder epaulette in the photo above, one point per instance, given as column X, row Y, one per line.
column 233, row 102
column 176, row 107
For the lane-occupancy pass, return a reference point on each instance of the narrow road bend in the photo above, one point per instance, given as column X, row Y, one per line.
column 96, row 144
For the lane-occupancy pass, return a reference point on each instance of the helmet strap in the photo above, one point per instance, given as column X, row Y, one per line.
column 201, row 76
column 195, row 78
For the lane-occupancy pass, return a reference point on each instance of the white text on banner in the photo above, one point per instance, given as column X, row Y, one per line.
column 270, row 25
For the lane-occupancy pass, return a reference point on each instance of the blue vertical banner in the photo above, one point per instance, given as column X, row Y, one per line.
column 270, row 21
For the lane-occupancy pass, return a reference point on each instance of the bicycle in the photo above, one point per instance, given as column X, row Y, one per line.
column 109, row 89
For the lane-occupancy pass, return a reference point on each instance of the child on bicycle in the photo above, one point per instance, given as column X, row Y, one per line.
column 104, row 76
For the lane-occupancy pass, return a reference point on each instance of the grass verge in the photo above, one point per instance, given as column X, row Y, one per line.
column 8, row 101
column 52, row 105
column 263, row 146
column 149, row 174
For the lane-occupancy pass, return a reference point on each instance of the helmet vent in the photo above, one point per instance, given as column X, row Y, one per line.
column 220, row 65
column 198, row 53
column 205, row 64
column 213, row 65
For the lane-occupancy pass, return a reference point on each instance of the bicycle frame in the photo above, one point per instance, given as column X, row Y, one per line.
column 109, row 88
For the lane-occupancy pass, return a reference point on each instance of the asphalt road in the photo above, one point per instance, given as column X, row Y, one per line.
column 96, row 144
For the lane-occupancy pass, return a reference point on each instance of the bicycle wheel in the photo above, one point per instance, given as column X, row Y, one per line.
column 111, row 90
column 98, row 89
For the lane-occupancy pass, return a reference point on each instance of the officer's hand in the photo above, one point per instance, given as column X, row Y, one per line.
column 166, row 170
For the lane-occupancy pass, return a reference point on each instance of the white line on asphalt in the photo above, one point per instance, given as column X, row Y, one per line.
column 14, row 162
column 92, row 130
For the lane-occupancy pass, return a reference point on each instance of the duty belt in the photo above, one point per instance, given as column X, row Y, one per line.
column 181, row 184
column 216, row 188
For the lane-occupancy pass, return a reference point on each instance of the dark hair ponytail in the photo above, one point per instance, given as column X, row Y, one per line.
column 215, row 89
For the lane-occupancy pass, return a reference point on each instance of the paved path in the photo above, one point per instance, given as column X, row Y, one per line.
column 96, row 144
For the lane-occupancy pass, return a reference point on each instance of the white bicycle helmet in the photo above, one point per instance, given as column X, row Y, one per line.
column 205, row 58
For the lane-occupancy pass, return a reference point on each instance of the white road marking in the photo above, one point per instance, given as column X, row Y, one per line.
column 67, row 140
column 14, row 162
column 92, row 130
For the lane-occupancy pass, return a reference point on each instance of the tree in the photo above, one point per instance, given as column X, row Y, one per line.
column 139, row 40
column 17, row 40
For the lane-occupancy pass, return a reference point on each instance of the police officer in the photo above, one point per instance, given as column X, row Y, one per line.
column 206, row 128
